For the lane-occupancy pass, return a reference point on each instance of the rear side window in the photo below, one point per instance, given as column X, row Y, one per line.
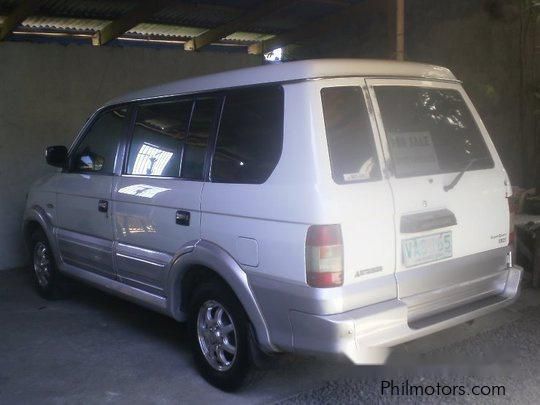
column 158, row 138
column 97, row 151
column 202, row 125
column 250, row 137
column 430, row 131
column 349, row 134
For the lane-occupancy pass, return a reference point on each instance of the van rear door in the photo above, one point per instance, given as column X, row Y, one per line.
column 358, row 196
column 449, row 190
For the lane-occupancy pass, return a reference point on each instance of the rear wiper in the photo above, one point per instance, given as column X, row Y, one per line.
column 461, row 173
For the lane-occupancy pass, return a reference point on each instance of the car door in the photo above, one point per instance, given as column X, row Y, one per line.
column 364, row 206
column 85, row 227
column 447, row 181
column 157, row 197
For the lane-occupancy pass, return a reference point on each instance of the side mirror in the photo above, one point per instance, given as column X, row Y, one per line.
column 56, row 156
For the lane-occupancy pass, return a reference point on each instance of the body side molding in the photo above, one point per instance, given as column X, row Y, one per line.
column 122, row 290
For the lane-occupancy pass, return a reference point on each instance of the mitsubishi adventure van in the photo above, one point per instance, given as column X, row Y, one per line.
column 336, row 207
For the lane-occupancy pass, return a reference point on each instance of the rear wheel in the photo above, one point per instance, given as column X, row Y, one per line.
column 219, row 329
column 49, row 283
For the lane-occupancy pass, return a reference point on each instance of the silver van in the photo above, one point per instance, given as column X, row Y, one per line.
column 330, row 207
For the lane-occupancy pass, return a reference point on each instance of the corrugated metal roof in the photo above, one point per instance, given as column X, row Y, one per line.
column 63, row 23
column 183, row 19
column 190, row 32
column 144, row 29
column 248, row 37
column 166, row 30
column 6, row 5
column 93, row 9
column 196, row 15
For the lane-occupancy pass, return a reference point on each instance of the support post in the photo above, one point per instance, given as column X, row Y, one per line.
column 396, row 29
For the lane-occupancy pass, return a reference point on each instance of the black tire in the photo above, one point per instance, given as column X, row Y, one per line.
column 50, row 284
column 233, row 377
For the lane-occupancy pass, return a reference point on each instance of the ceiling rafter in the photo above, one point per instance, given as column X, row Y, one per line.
column 222, row 31
column 240, row 20
column 137, row 15
column 18, row 15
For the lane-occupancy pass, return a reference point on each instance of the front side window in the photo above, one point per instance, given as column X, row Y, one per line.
column 97, row 151
column 202, row 125
column 158, row 138
column 250, row 136
column 430, row 131
column 351, row 145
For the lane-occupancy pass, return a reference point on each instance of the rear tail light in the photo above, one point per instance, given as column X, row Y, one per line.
column 324, row 256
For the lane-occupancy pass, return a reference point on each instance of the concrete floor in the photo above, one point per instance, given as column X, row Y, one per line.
column 93, row 348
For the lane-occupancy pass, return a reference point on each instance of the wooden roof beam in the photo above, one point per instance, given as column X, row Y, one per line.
column 222, row 31
column 316, row 28
column 17, row 16
column 143, row 11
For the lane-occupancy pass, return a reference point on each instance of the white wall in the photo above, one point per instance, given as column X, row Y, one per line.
column 46, row 93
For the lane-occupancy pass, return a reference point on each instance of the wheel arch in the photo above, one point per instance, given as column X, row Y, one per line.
column 29, row 228
column 36, row 218
column 207, row 261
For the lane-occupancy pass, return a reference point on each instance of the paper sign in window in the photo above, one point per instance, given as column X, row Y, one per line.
column 413, row 153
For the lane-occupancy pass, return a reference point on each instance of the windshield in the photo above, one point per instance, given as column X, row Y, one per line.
column 430, row 131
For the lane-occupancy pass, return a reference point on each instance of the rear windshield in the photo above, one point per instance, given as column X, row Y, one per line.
column 351, row 146
column 430, row 131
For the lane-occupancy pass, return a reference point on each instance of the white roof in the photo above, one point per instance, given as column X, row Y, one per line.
column 290, row 71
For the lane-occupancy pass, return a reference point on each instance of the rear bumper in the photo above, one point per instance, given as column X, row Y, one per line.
column 365, row 335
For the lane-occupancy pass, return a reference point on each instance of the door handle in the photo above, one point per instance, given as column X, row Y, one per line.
column 183, row 217
column 103, row 206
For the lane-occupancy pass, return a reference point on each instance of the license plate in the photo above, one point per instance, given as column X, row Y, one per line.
column 426, row 249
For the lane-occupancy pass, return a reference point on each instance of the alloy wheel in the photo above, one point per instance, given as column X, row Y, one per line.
column 217, row 336
column 42, row 263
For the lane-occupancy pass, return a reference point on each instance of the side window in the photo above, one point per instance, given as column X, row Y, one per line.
column 202, row 125
column 349, row 135
column 97, row 151
column 158, row 138
column 250, row 137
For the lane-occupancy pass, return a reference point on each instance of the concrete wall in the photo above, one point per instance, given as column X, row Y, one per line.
column 46, row 93
column 480, row 46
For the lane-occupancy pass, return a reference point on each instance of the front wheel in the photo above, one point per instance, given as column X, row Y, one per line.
column 49, row 282
column 219, row 329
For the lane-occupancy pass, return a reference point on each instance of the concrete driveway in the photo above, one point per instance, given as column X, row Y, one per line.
column 94, row 348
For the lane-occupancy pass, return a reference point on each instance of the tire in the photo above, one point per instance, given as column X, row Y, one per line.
column 49, row 283
column 217, row 325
